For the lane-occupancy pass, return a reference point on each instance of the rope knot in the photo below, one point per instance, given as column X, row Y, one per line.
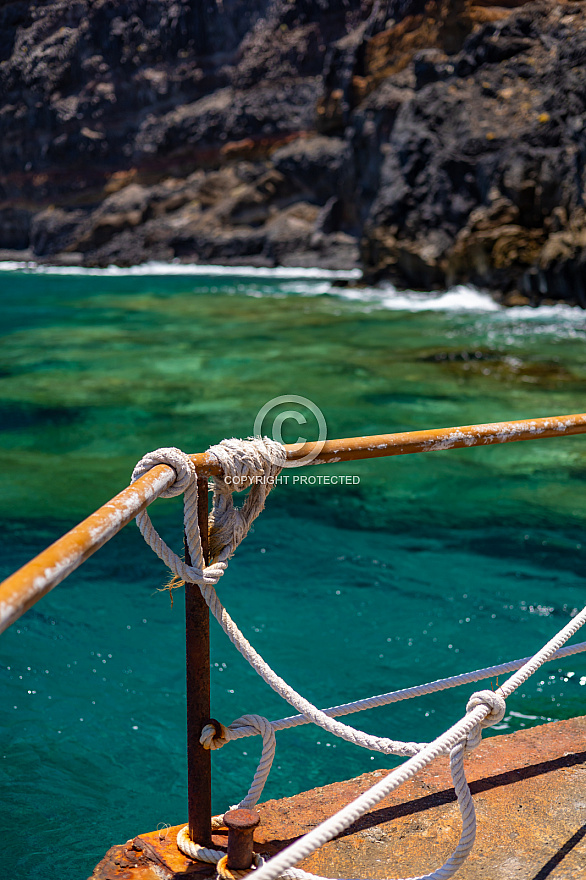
column 176, row 459
column 211, row 739
column 245, row 461
column 254, row 462
column 497, row 707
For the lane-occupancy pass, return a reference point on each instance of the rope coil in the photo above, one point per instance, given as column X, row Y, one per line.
column 255, row 463
column 227, row 873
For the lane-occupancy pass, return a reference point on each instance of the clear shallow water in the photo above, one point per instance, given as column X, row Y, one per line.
column 429, row 566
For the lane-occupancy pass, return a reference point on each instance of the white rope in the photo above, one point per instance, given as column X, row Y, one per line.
column 223, row 512
column 352, row 812
column 240, row 728
column 259, row 457
column 476, row 717
column 246, row 725
column 467, row 837
column 262, row 457
column 405, row 693
column 311, row 712
column 195, row 851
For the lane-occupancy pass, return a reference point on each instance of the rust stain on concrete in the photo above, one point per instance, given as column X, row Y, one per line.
column 124, row 863
column 529, row 791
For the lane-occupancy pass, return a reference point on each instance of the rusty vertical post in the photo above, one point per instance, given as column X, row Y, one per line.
column 197, row 632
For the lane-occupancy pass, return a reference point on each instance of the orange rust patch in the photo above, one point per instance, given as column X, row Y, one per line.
column 124, row 863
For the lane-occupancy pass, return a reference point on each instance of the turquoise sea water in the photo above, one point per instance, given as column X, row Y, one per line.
column 428, row 566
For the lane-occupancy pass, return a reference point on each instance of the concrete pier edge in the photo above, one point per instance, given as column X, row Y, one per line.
column 529, row 791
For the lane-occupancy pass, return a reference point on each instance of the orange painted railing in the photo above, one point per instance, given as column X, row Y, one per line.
column 20, row 591
column 26, row 586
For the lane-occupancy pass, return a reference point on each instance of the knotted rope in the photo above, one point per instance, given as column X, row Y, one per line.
column 259, row 458
column 255, row 452
column 497, row 708
column 281, row 865
column 252, row 463
column 256, row 463
column 387, row 699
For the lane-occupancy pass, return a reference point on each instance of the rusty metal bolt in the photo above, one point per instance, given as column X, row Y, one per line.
column 241, row 825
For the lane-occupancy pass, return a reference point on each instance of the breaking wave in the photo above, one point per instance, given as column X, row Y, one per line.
column 305, row 281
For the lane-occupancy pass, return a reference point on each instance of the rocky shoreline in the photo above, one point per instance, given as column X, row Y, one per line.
column 427, row 143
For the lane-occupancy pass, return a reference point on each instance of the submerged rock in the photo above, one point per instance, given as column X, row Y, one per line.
column 432, row 143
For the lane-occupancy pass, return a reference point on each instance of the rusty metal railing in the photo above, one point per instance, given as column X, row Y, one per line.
column 24, row 588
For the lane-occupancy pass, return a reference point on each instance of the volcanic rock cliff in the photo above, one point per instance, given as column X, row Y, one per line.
column 430, row 142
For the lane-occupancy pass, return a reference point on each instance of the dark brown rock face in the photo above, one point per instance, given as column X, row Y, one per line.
column 137, row 129
column 435, row 142
column 483, row 174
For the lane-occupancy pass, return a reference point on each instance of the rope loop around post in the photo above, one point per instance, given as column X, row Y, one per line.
column 250, row 463
column 216, row 857
column 175, row 458
column 241, row 727
column 211, row 739
column 226, row 873
column 244, row 461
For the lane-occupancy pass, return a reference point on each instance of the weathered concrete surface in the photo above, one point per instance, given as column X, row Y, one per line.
column 530, row 795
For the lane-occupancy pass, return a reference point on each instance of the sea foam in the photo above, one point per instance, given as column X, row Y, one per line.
column 160, row 268
column 305, row 281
